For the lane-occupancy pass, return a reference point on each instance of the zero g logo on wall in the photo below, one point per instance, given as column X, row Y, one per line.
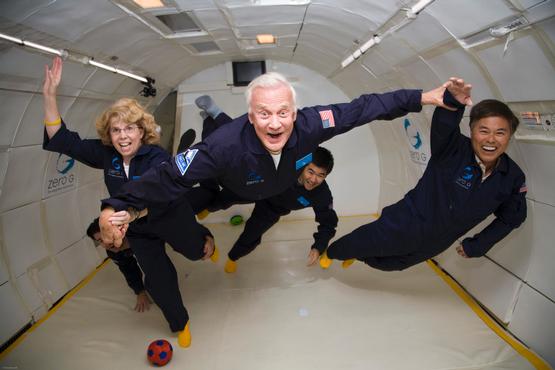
column 417, row 151
column 60, row 175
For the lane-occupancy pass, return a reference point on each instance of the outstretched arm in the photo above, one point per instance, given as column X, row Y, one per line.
column 52, row 78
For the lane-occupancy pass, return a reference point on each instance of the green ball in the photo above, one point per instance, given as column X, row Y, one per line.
column 236, row 220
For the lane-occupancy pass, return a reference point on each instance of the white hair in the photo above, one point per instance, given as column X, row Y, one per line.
column 270, row 79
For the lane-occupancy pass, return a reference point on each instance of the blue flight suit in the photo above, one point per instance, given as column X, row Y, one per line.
column 268, row 211
column 448, row 201
column 127, row 264
column 147, row 236
column 234, row 155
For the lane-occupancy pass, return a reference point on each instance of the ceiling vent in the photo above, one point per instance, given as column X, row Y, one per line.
column 179, row 22
column 205, row 47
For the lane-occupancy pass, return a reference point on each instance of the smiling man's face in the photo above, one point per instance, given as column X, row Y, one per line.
column 490, row 138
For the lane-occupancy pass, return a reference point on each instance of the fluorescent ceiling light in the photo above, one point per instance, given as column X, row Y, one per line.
column 347, row 61
column 358, row 52
column 148, row 4
column 43, row 48
column 265, row 39
column 102, row 65
column 368, row 44
column 117, row 70
column 12, row 39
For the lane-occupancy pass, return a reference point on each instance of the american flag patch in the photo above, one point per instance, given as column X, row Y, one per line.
column 523, row 188
column 327, row 118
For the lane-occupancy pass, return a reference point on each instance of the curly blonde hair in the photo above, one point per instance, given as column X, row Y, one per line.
column 129, row 111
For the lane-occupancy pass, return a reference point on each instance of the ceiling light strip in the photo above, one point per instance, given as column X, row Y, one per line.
column 65, row 54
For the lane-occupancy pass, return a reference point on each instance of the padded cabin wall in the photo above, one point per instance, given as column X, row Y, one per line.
column 355, row 178
column 46, row 200
column 515, row 280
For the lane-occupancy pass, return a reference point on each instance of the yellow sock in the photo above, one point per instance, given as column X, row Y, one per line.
column 348, row 263
column 184, row 337
column 203, row 214
column 230, row 266
column 325, row 262
column 215, row 256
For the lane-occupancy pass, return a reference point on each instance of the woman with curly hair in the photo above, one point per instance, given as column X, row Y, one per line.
column 126, row 149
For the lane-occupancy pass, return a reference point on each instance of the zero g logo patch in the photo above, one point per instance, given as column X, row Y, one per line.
column 183, row 160
column 465, row 179
column 64, row 164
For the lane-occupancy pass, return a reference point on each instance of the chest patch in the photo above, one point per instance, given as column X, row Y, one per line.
column 303, row 201
column 464, row 179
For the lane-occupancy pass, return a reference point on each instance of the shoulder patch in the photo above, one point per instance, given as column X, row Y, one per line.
column 303, row 201
column 523, row 188
column 303, row 161
column 183, row 160
column 327, row 118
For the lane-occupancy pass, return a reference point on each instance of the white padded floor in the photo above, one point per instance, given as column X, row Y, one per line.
column 273, row 313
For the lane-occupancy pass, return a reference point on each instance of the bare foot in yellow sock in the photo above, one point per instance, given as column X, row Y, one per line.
column 215, row 256
column 184, row 337
column 325, row 262
column 348, row 263
column 230, row 266
column 203, row 214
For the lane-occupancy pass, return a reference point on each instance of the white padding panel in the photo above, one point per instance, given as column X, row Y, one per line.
column 424, row 32
column 541, row 274
column 42, row 285
column 23, row 181
column 88, row 201
column 459, row 62
column 23, row 238
column 534, row 323
column 523, row 73
column 514, row 251
column 540, row 171
column 31, row 129
column 13, row 312
column 490, row 284
column 82, row 115
column 88, row 174
column 62, row 221
column 77, row 261
column 3, row 168
column 4, row 274
column 11, row 110
column 464, row 18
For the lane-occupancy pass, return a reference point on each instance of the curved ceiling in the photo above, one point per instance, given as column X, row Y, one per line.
column 318, row 34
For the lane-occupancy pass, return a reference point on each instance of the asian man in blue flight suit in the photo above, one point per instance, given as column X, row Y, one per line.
column 255, row 156
column 466, row 180
column 310, row 190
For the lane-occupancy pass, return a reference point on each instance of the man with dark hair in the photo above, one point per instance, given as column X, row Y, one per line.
column 466, row 180
column 311, row 190
column 125, row 260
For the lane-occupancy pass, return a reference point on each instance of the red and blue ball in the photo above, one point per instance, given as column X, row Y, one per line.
column 159, row 352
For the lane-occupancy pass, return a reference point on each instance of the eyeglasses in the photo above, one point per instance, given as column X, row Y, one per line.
column 129, row 129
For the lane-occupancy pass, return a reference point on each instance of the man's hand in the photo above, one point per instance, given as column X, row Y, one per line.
column 143, row 302
column 208, row 247
column 110, row 234
column 120, row 218
column 457, row 88
column 460, row 251
column 313, row 256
